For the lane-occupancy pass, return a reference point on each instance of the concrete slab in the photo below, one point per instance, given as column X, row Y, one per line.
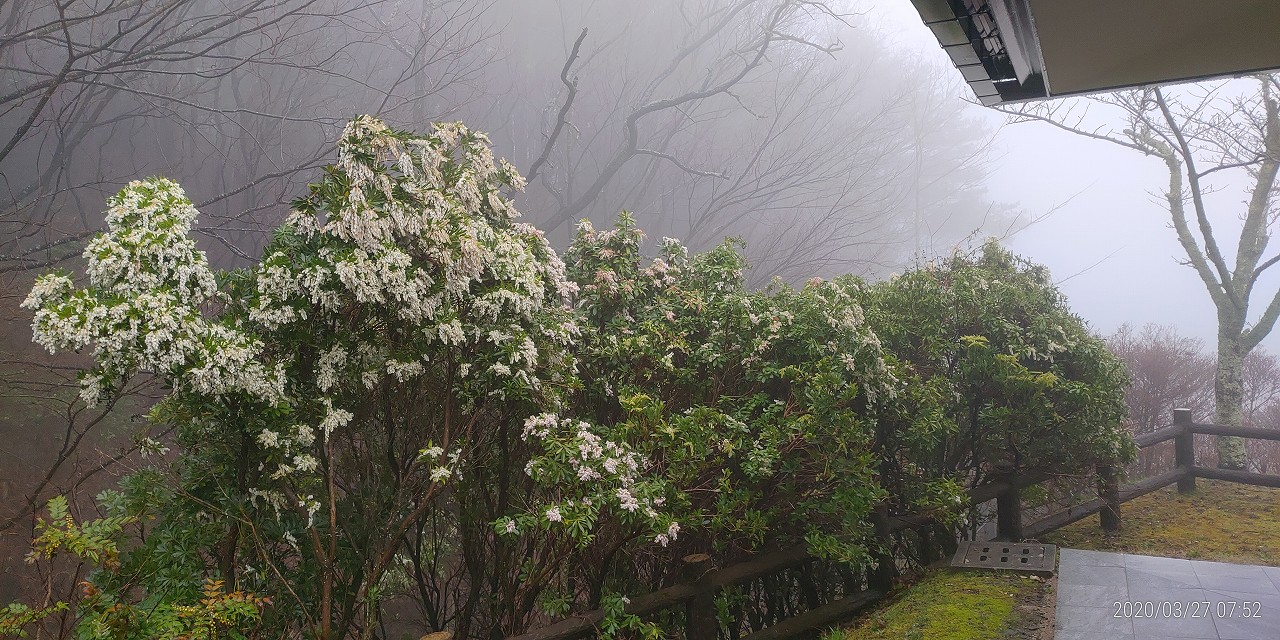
column 1274, row 574
column 1092, row 558
column 1118, row 596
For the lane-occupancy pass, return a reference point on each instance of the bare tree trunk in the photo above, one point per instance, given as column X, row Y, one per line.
column 1228, row 394
column 1198, row 134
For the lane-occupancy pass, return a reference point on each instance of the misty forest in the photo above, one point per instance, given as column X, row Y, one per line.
column 493, row 319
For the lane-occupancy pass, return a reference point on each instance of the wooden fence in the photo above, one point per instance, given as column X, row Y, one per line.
column 696, row 594
column 1112, row 495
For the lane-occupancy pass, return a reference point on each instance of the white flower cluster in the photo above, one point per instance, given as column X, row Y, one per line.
column 607, row 472
column 661, row 273
column 404, row 370
column 142, row 308
column 664, row 539
column 412, row 236
column 277, row 501
column 271, row 497
column 424, row 232
column 333, row 418
column 442, row 470
column 291, row 449
column 852, row 339
column 152, row 447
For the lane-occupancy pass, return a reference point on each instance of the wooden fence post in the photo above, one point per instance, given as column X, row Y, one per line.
column 1109, row 491
column 700, row 611
column 928, row 550
column 886, row 568
column 1184, row 450
column 1009, row 511
column 946, row 537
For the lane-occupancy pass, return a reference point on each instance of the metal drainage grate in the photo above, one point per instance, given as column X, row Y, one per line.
column 1040, row 559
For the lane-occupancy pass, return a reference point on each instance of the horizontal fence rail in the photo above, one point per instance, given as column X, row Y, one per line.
column 704, row 580
column 1185, row 471
column 585, row 623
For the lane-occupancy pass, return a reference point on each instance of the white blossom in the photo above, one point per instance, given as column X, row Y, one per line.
column 333, row 418
column 91, row 389
column 626, row 501
column 305, row 463
column 508, row 526
column 269, row 439
column 150, row 447
column 327, row 366
column 404, row 370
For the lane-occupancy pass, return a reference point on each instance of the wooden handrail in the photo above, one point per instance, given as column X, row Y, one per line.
column 825, row 615
column 1240, row 432
column 1149, row 485
column 1151, row 438
column 1081, row 511
column 1240, row 477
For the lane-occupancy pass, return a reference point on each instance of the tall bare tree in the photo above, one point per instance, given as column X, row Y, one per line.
column 779, row 121
column 1206, row 135
column 234, row 99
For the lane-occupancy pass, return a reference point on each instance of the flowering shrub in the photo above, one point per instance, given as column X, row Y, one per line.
column 141, row 310
column 349, row 388
column 412, row 396
column 755, row 407
column 582, row 473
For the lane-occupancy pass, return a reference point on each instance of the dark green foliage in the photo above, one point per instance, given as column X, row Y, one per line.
column 1005, row 378
column 414, row 399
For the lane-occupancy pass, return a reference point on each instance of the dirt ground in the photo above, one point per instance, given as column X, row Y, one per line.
column 1034, row 610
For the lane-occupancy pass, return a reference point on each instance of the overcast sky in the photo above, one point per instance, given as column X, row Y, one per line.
column 1109, row 242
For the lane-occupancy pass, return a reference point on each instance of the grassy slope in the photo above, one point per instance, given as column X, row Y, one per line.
column 1221, row 521
column 947, row 605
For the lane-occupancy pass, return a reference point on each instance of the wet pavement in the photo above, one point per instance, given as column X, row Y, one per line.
column 1120, row 596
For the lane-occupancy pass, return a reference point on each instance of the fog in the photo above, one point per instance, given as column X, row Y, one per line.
column 784, row 123
column 848, row 143
column 825, row 138
column 1102, row 224
column 806, row 129
column 831, row 138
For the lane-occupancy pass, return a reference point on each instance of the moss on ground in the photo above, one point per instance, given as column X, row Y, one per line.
column 1221, row 521
column 947, row 605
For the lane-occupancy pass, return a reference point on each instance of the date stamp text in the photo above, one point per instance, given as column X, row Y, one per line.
column 1192, row 609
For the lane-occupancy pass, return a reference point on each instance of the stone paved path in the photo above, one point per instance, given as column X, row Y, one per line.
column 1119, row 596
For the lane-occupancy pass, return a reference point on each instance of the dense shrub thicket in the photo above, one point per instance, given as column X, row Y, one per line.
column 1003, row 378
column 412, row 399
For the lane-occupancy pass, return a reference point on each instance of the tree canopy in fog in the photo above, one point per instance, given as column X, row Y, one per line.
column 787, row 122
column 239, row 101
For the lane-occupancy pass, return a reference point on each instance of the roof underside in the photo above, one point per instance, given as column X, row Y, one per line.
column 1013, row 50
